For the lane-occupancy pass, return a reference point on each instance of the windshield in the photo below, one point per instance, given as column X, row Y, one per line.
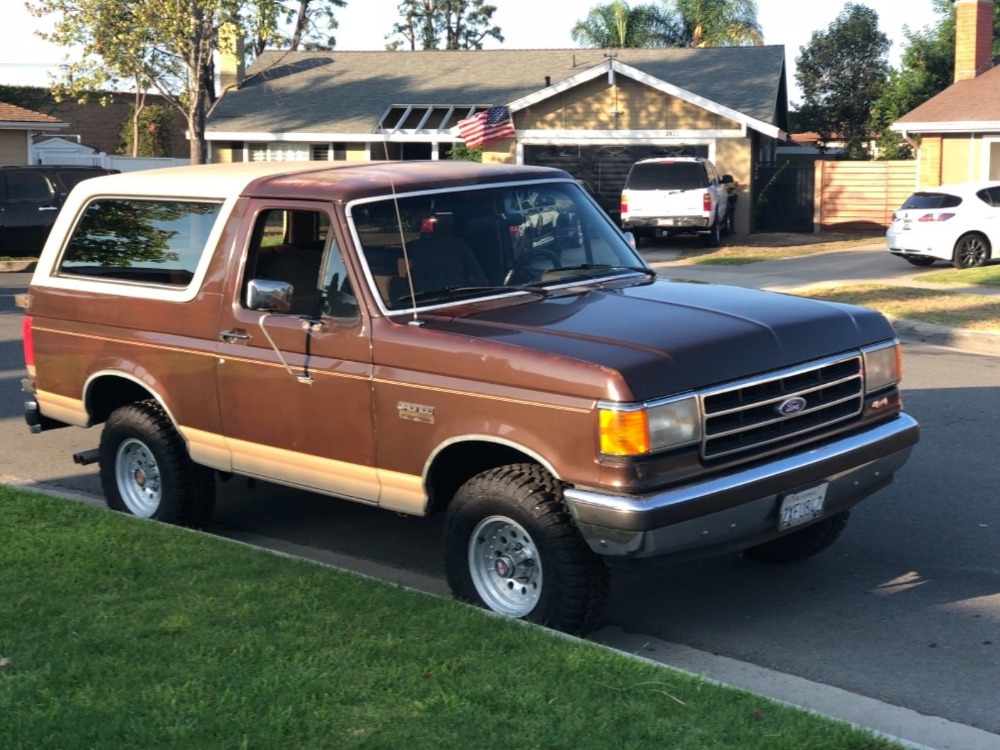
column 486, row 240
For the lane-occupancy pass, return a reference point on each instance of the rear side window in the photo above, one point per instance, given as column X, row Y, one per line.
column 668, row 175
column 932, row 200
column 152, row 242
column 28, row 186
column 990, row 196
column 71, row 178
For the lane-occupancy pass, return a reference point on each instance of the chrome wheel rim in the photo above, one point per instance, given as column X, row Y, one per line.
column 138, row 478
column 505, row 566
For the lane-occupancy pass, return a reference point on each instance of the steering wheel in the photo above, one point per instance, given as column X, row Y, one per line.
column 522, row 264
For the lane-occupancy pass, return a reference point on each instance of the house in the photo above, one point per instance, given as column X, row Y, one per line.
column 592, row 112
column 18, row 127
column 956, row 134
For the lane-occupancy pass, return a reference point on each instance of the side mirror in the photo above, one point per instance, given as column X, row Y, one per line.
column 630, row 239
column 268, row 295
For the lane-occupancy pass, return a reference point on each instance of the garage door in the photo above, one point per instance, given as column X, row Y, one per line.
column 604, row 168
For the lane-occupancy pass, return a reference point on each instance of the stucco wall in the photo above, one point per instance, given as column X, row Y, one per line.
column 592, row 106
column 13, row 147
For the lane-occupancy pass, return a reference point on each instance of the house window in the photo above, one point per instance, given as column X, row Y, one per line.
column 278, row 151
column 993, row 159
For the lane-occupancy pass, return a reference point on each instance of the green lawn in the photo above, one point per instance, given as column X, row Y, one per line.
column 121, row 633
column 985, row 276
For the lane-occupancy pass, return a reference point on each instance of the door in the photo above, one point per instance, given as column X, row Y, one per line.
column 29, row 211
column 295, row 386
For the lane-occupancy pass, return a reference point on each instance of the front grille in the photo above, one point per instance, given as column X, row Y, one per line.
column 747, row 416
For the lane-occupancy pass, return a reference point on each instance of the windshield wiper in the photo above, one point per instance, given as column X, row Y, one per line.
column 450, row 291
column 608, row 267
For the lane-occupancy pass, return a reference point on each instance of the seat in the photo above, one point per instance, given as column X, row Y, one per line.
column 439, row 261
column 299, row 267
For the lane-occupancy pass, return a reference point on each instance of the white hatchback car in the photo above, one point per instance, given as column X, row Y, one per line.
column 958, row 223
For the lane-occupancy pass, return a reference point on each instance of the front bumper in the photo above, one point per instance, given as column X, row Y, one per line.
column 740, row 509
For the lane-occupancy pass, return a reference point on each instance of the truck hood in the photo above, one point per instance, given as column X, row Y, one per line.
column 667, row 337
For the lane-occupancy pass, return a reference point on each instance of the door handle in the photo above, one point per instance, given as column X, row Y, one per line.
column 234, row 335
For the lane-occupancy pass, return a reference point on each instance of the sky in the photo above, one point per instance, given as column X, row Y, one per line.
column 526, row 24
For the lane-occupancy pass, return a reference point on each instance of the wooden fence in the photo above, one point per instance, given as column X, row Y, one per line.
column 857, row 195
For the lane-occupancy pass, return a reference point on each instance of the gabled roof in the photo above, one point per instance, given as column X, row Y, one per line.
column 968, row 106
column 349, row 92
column 14, row 117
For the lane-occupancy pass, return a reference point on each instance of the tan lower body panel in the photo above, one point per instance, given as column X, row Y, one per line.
column 391, row 490
column 63, row 408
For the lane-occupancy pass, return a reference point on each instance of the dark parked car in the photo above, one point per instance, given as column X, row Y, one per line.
column 30, row 198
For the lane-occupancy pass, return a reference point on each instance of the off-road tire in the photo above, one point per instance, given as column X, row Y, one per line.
column 520, row 509
column 800, row 545
column 145, row 469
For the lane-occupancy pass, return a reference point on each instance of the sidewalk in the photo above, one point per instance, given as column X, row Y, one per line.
column 803, row 273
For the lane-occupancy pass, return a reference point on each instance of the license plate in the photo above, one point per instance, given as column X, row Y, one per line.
column 801, row 507
column 665, row 222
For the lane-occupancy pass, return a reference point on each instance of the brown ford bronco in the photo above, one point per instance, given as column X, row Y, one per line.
column 445, row 337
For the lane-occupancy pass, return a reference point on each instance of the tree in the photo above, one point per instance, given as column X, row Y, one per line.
column 310, row 24
column 455, row 24
column 842, row 73
column 148, row 133
column 162, row 45
column 927, row 68
column 719, row 23
column 617, row 25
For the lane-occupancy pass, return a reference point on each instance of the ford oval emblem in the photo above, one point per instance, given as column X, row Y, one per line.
column 791, row 406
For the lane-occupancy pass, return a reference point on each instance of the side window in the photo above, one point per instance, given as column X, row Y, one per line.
column 28, row 186
column 990, row 196
column 288, row 245
column 152, row 242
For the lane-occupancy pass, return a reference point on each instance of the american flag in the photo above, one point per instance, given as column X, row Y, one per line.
column 488, row 125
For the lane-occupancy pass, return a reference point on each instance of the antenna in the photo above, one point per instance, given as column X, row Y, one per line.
column 399, row 225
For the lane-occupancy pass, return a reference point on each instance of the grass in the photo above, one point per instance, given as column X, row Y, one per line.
column 973, row 311
column 116, row 632
column 755, row 248
column 985, row 276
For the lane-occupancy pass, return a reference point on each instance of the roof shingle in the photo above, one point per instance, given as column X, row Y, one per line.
column 347, row 92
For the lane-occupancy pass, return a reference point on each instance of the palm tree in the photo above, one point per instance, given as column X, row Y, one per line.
column 674, row 23
column 719, row 23
column 618, row 25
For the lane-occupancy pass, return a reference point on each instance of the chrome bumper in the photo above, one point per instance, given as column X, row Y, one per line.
column 740, row 509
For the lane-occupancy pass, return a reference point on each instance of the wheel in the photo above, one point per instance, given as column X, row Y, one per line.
column 802, row 544
column 511, row 547
column 971, row 251
column 714, row 235
column 145, row 469
column 919, row 260
column 522, row 266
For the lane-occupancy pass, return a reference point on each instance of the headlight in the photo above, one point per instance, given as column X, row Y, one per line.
column 883, row 366
column 637, row 429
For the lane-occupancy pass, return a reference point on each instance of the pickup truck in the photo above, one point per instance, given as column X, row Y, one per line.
column 381, row 332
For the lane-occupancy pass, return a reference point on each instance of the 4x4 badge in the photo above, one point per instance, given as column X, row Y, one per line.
column 791, row 406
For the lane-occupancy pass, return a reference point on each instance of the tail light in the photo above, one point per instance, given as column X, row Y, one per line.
column 943, row 216
column 624, row 203
column 706, row 202
column 29, row 342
